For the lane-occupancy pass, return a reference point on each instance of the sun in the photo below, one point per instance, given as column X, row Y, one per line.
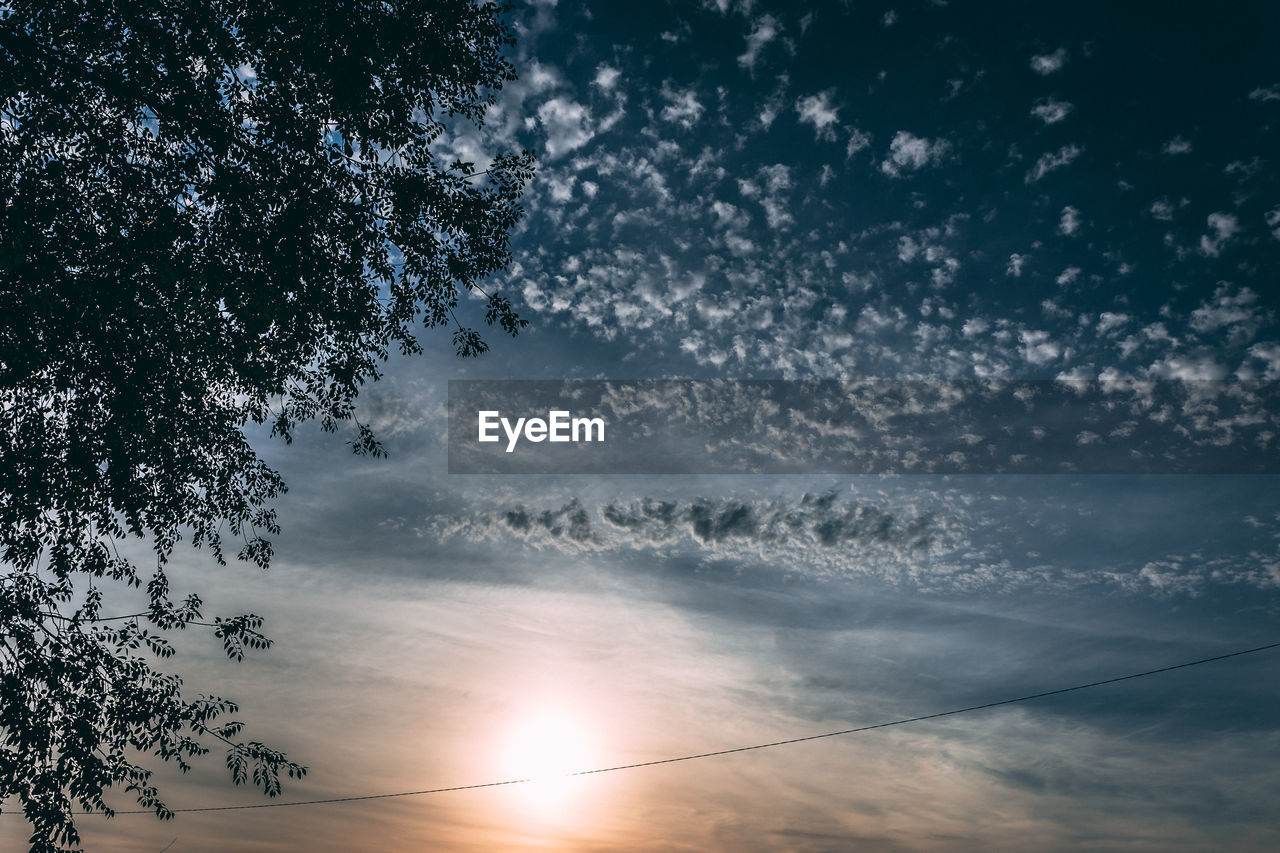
column 547, row 746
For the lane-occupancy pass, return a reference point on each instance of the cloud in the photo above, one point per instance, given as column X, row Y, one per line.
column 1223, row 227
column 539, row 78
column 1015, row 265
column 1176, row 146
column 1264, row 94
column 763, row 30
column 1053, row 160
column 681, row 32
column 683, row 106
column 1051, row 110
column 1037, row 348
column 859, row 140
column 773, row 268
column 910, row 153
column 1244, row 169
column 560, row 187
column 773, row 105
column 817, row 111
column 1273, row 221
column 1188, row 368
column 1270, row 354
column 1108, row 321
column 770, row 188
column 567, row 124
column 606, row 77
column 1069, row 223
column 719, row 528
column 1239, row 312
column 1049, row 63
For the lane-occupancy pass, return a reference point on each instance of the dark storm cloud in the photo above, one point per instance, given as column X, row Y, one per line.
column 820, row 519
column 713, row 525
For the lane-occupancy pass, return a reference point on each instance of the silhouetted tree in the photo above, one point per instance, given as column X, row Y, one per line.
column 215, row 213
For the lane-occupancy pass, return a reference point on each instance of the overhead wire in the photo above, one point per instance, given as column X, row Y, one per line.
column 731, row 751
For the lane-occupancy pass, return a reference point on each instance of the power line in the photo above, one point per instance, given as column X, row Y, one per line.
column 734, row 750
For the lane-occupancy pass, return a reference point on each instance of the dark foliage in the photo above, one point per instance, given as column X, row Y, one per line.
column 215, row 213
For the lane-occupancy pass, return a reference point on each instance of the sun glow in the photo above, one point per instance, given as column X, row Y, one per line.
column 546, row 747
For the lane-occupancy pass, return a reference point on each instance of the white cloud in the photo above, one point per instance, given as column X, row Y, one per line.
column 1176, row 146
column 763, row 30
column 1015, row 265
column 908, row 248
column 910, row 153
column 769, row 111
column 1224, row 226
column 777, row 177
column 777, row 180
column 1051, row 110
column 1108, row 321
column 1237, row 312
column 859, row 283
column 561, row 187
column 1188, row 368
column 568, row 125
column 859, row 140
column 683, row 106
column 1053, row 160
column 817, row 111
column 728, row 215
column 1037, row 348
column 1052, row 309
column 1049, row 63
column 1068, row 275
column 1161, row 209
column 1269, row 353
column 606, row 77
column 1268, row 93
column 1273, row 221
column 539, row 77
column 1243, row 169
column 1069, row 223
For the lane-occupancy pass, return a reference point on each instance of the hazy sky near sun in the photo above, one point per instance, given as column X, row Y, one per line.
column 841, row 190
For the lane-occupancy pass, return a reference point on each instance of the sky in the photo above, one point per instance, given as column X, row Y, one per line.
column 843, row 191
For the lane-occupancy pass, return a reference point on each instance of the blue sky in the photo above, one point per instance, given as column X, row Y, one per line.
column 744, row 190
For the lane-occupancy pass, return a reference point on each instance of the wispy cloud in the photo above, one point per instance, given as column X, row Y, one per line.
column 1049, row 63
column 1054, row 160
column 818, row 111
column 911, row 153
